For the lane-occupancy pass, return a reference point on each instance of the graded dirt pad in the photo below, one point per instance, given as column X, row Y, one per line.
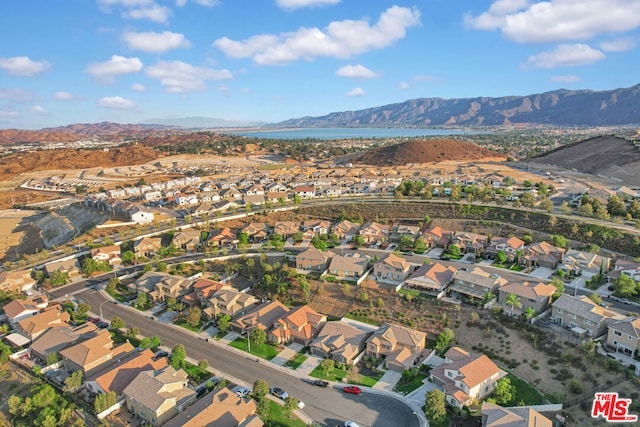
column 11, row 220
column 428, row 151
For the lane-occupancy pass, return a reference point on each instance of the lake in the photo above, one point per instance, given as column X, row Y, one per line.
column 348, row 133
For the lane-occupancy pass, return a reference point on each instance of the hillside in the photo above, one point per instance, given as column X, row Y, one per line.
column 604, row 155
column 18, row 163
column 428, row 151
column 18, row 136
column 559, row 108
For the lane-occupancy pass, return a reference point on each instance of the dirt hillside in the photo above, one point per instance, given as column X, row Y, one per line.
column 429, row 151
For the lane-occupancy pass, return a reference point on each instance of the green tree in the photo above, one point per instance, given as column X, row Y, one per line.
column 117, row 323
column 194, row 314
column 298, row 237
column 501, row 257
column 358, row 240
column 558, row 284
column 514, row 301
column 419, row 246
column 565, row 208
column 634, row 209
column 112, row 284
column 625, row 285
column 405, row 242
column 203, row 365
column 504, row 391
column 258, row 336
column 615, row 206
column 546, row 205
column 305, row 287
column 595, row 298
column 223, row 325
column 132, row 332
column 453, row 250
column 559, row 241
column 585, row 209
column 529, row 313
column 445, row 337
column 326, row 366
column 73, row 381
column 104, row 401
column 318, row 243
column 141, row 300
column 128, row 257
column 243, row 238
column 178, row 357
column 59, row 278
column 82, row 308
column 260, row 389
column 52, row 358
column 435, row 408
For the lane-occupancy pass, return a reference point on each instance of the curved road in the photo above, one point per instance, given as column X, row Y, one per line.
column 327, row 406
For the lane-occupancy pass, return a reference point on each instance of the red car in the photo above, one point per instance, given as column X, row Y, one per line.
column 352, row 389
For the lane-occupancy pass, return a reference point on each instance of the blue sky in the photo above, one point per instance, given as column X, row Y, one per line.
column 81, row 61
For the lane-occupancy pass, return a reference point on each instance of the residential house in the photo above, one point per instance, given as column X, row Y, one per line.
column 156, row 396
column 392, row 269
column 398, row 346
column 222, row 237
column 17, row 310
column 231, row 194
column 161, row 286
column 257, row 232
column 108, row 254
column 209, row 196
column 350, row 266
column 117, row 377
column 300, row 325
column 188, row 239
column 345, row 230
column 70, row 267
column 184, row 199
column 404, row 230
column 229, row 301
column 470, row 243
column 374, row 232
column 432, row 279
column 466, row 377
column 276, row 197
column 219, row 408
column 305, row 191
column 56, row 339
column 497, row 416
column 340, row 341
column 147, row 246
column 201, row 291
column 34, row 326
column 542, row 254
column 262, row 317
column 626, row 267
column 286, row 228
column 624, row 336
column 16, row 280
column 88, row 355
column 437, row 237
column 254, row 190
column 317, row 227
column 576, row 262
column 530, row 295
column 255, row 200
column 509, row 245
column 140, row 214
column 582, row 316
column 313, row 260
column 202, row 209
column 475, row 284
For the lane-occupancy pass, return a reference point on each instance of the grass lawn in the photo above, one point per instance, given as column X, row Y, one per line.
column 117, row 295
column 277, row 417
column 340, row 375
column 196, row 375
column 266, row 351
column 444, row 422
column 525, row 392
column 120, row 338
column 183, row 323
column 406, row 388
column 415, row 293
column 296, row 361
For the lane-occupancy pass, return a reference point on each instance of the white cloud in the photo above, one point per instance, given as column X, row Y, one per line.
column 6, row 113
column 63, row 96
column 117, row 102
column 558, row 20
column 152, row 12
column 180, row 77
column 356, row 72
column 138, row 87
column 116, row 66
column 245, row 90
column 566, row 55
column 356, row 92
column 564, row 79
column 207, row 3
column 403, row 85
column 619, row 45
column 16, row 95
column 37, row 109
column 296, row 4
column 340, row 39
column 155, row 42
column 23, row 66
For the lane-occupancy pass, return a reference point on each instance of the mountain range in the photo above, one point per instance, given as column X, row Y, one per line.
column 557, row 108
column 203, row 122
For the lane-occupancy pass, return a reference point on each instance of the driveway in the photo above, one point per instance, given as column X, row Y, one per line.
column 388, row 380
column 542, row 273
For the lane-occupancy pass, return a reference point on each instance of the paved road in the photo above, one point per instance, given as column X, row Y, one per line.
column 327, row 406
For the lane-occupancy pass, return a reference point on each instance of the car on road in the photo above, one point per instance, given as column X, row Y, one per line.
column 102, row 325
column 279, row 393
column 625, row 301
column 350, row 424
column 352, row 389
column 94, row 320
column 243, row 392
column 444, row 258
column 321, row 383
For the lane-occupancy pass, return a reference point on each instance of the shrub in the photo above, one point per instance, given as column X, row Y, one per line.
column 575, row 386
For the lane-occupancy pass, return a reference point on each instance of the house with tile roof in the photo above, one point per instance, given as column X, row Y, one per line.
column 313, row 260
column 34, row 326
column 56, row 339
column 286, row 228
column 70, row 267
column 627, row 267
column 300, row 325
column 509, row 245
column 188, row 239
column 432, row 279
column 375, row 232
column 531, row 295
column 219, row 408
column 576, row 262
column 317, row 226
column 470, row 243
column 117, row 377
column 17, row 310
column 542, row 254
column 350, row 267
column 109, row 254
column 147, row 246
column 257, row 231
column 345, row 230
column 466, row 377
column 156, row 396
column 222, row 237
column 582, row 316
column 262, row 317
column 202, row 290
column 16, row 280
column 474, row 284
column 305, row 191
column 161, row 286
column 339, row 341
column 437, row 237
column 399, row 347
column 89, row 354
column 229, row 301
column 497, row 416
column 624, row 336
column 392, row 269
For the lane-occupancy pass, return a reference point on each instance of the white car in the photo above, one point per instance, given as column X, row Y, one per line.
column 350, row 424
column 301, row 404
column 243, row 392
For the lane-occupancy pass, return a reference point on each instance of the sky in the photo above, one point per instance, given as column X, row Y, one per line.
column 126, row 61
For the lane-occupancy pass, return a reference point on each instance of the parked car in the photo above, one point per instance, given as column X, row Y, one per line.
column 160, row 354
column 625, row 301
column 321, row 383
column 243, row 392
column 102, row 325
column 280, row 393
column 301, row 404
column 94, row 320
column 444, row 258
column 350, row 424
column 352, row 389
